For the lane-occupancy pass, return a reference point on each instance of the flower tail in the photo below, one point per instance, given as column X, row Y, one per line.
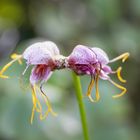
column 90, row 89
column 18, row 57
column 118, row 71
column 32, row 115
column 36, row 104
column 48, row 104
column 97, row 89
column 123, row 57
column 15, row 58
column 88, row 94
column 120, row 87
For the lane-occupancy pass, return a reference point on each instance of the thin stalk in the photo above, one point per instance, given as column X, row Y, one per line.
column 78, row 89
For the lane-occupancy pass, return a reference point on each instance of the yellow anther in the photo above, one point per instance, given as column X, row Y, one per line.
column 120, row 87
column 119, row 75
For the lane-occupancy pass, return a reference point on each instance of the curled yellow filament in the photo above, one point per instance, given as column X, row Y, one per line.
column 97, row 89
column 120, row 87
column 3, row 76
column 90, row 89
column 123, row 57
column 48, row 104
column 37, row 105
column 119, row 75
column 15, row 58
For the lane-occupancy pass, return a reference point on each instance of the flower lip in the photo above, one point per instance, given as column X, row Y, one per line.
column 41, row 53
column 40, row 73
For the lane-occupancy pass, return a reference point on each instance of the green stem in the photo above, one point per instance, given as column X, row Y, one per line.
column 78, row 89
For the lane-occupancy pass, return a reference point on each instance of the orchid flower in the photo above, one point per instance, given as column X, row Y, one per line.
column 94, row 62
column 45, row 58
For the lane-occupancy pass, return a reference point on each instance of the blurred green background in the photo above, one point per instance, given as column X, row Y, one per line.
column 113, row 25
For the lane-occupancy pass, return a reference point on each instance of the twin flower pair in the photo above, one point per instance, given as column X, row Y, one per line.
column 46, row 58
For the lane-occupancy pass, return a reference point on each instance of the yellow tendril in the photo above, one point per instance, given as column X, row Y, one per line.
column 123, row 56
column 48, row 104
column 15, row 58
column 90, row 89
column 32, row 115
column 36, row 104
column 120, row 87
column 4, row 76
column 97, row 89
column 119, row 75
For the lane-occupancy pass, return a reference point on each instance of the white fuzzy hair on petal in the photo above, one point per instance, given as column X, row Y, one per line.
column 40, row 52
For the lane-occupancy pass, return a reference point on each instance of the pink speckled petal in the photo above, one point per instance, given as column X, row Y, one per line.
column 101, row 55
column 106, row 70
column 82, row 55
column 40, row 53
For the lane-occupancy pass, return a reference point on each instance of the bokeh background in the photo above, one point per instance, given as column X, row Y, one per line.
column 113, row 25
